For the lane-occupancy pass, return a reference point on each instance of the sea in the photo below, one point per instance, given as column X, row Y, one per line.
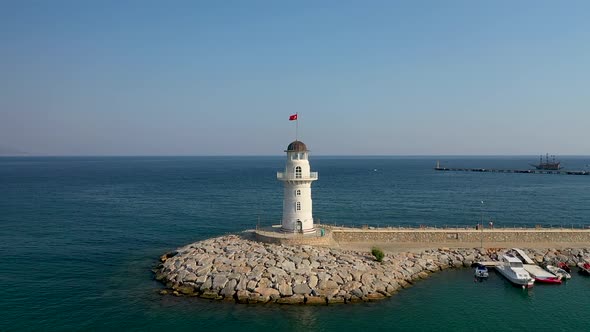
column 79, row 237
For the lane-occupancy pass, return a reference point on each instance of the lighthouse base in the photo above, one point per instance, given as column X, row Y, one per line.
column 298, row 231
column 275, row 234
column 297, row 226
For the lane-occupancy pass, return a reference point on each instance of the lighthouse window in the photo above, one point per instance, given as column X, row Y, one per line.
column 298, row 206
column 298, row 192
column 298, row 172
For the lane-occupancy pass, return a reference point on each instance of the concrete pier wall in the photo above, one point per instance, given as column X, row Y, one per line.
column 458, row 236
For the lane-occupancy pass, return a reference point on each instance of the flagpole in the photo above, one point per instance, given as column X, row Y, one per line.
column 296, row 126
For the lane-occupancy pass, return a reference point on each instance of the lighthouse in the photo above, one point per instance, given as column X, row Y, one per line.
column 297, row 179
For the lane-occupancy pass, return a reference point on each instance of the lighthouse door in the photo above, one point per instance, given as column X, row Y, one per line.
column 299, row 226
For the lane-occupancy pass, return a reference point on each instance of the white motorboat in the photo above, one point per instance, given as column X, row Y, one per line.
column 512, row 269
column 558, row 271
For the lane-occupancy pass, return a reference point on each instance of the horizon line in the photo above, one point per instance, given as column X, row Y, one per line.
column 280, row 155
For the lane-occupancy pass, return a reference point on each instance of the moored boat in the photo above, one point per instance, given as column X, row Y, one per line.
column 558, row 272
column 481, row 271
column 512, row 269
column 584, row 267
column 564, row 266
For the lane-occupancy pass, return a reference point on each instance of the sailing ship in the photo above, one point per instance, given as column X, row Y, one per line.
column 552, row 165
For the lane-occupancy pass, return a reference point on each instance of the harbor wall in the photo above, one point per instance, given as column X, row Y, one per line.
column 458, row 236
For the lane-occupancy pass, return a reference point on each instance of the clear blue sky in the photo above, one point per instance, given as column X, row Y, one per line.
column 366, row 77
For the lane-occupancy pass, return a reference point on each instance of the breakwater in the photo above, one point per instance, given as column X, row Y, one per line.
column 234, row 268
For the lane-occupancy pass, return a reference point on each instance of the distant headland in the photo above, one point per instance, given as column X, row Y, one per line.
column 10, row 152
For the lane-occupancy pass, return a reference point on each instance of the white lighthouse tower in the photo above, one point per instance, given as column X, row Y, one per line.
column 297, row 206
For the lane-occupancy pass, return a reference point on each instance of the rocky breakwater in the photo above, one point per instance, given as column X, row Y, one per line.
column 235, row 269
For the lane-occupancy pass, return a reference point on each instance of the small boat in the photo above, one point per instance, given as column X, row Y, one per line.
column 512, row 269
column 584, row 267
column 564, row 266
column 558, row 272
column 481, row 271
column 541, row 275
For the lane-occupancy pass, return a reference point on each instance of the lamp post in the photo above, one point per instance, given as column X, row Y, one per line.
column 481, row 226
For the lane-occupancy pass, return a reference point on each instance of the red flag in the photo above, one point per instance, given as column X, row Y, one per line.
column 293, row 117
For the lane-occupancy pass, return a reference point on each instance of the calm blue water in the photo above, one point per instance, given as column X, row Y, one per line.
column 78, row 237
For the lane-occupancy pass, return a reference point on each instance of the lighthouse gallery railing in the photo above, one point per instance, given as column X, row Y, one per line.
column 289, row 176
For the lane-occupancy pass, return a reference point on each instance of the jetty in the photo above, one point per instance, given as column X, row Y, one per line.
column 498, row 170
column 335, row 266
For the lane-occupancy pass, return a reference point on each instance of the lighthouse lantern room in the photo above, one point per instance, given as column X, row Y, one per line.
column 297, row 178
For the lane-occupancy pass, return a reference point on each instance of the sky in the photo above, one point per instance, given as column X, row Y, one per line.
column 365, row 77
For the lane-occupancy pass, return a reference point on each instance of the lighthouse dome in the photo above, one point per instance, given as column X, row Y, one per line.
column 297, row 146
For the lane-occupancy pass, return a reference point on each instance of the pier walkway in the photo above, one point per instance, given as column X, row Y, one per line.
column 394, row 239
column 399, row 239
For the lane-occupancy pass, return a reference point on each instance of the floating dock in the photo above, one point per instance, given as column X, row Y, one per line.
column 526, row 171
column 537, row 272
column 489, row 263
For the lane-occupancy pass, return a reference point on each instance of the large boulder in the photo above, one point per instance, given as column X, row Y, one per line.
column 268, row 292
column 288, row 266
column 242, row 296
column 219, row 281
column 295, row 299
column 327, row 284
column 229, row 290
column 285, row 289
column 301, row 289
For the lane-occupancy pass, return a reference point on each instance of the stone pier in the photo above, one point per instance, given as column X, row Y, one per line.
column 240, row 269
